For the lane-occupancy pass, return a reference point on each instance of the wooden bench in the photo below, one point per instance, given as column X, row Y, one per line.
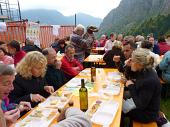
column 165, row 89
column 137, row 124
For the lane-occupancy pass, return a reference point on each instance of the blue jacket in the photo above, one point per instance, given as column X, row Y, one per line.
column 165, row 67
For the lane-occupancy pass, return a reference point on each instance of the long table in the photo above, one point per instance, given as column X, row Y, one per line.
column 94, row 60
column 99, row 50
column 101, row 76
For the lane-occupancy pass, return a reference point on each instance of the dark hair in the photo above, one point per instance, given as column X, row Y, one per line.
column 45, row 52
column 112, row 34
column 14, row 44
column 161, row 39
column 131, row 43
column 61, row 41
column 1, row 43
column 6, row 70
column 3, row 50
column 67, row 38
column 146, row 44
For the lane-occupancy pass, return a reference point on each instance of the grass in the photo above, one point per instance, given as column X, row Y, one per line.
column 165, row 107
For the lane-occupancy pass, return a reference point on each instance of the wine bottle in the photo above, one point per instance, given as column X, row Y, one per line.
column 83, row 94
column 93, row 74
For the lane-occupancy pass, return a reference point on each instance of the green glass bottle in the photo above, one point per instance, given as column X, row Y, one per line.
column 83, row 94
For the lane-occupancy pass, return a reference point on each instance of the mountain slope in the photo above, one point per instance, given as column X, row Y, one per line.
column 55, row 17
column 158, row 25
column 130, row 13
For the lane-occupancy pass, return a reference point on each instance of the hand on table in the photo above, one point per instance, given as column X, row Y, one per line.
column 37, row 98
column 49, row 89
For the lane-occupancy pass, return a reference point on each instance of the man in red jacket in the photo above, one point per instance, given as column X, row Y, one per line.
column 70, row 66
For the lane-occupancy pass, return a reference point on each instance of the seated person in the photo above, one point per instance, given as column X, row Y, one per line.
column 4, row 58
column 115, row 57
column 70, row 117
column 102, row 41
column 164, row 66
column 70, row 66
column 73, row 117
column 163, row 46
column 155, row 47
column 15, row 50
column 109, row 43
column 142, row 102
column 61, row 46
column 4, row 46
column 9, row 114
column 148, row 46
column 29, row 83
column 30, row 46
column 54, row 76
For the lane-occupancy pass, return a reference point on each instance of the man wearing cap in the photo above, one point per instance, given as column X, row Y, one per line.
column 89, row 36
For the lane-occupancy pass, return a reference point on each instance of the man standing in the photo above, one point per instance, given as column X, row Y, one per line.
column 79, row 43
column 89, row 37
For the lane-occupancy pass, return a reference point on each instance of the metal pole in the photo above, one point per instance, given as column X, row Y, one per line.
column 75, row 20
column 9, row 10
column 1, row 9
column 19, row 10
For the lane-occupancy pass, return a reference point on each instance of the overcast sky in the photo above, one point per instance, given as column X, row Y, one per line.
column 96, row 8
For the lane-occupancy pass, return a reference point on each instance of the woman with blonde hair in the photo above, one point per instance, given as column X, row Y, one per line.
column 144, row 90
column 29, row 83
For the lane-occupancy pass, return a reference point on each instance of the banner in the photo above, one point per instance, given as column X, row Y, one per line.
column 56, row 29
column 2, row 26
column 33, row 32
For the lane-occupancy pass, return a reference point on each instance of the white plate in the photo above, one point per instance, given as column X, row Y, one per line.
column 58, row 102
column 44, row 121
column 74, row 83
column 114, row 76
column 105, row 113
column 110, row 90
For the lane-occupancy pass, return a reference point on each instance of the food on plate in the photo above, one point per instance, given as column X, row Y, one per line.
column 28, row 120
column 94, row 108
column 23, row 124
column 104, row 85
column 38, row 113
column 58, row 93
column 63, row 99
column 21, row 107
column 67, row 93
column 53, row 102
column 98, row 102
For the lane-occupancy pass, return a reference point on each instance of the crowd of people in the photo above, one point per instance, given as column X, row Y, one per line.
column 29, row 74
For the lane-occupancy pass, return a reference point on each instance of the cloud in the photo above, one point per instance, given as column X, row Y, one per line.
column 97, row 8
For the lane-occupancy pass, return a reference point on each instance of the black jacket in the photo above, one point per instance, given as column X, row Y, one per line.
column 29, row 48
column 108, row 58
column 146, row 94
column 54, row 77
column 24, row 87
